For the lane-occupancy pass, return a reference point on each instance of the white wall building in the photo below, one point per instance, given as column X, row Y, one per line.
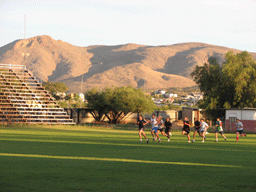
column 246, row 115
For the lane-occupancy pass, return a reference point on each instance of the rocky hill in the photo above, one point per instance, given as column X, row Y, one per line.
column 150, row 67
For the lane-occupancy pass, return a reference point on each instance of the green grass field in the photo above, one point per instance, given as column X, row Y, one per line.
column 59, row 158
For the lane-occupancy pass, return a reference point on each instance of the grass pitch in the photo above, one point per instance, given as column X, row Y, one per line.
column 77, row 158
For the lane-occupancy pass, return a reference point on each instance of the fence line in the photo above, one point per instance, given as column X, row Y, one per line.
column 12, row 66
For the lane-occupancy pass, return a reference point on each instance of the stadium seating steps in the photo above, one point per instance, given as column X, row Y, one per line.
column 24, row 100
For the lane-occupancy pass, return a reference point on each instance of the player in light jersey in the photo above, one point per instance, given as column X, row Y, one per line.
column 154, row 123
column 160, row 124
column 203, row 128
column 239, row 130
column 219, row 129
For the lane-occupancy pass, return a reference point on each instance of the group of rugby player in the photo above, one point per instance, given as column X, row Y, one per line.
column 158, row 126
column 201, row 127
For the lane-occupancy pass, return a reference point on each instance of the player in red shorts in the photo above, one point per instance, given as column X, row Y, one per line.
column 239, row 130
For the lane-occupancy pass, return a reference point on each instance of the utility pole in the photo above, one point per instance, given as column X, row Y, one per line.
column 82, row 81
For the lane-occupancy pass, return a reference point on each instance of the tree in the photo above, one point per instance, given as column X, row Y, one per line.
column 231, row 85
column 55, row 87
column 63, row 104
column 116, row 103
column 98, row 102
column 209, row 77
column 240, row 77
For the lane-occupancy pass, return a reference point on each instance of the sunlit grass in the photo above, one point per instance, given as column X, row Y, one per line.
column 74, row 158
column 112, row 159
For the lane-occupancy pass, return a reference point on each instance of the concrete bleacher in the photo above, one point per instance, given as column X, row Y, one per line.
column 24, row 100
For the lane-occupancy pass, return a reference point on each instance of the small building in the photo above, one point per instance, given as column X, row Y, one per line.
column 161, row 92
column 198, row 96
column 81, row 97
column 191, row 113
column 61, row 94
column 158, row 101
column 183, row 97
column 172, row 114
column 170, row 95
column 168, row 100
column 246, row 115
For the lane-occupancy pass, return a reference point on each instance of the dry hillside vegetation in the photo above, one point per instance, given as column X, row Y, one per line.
column 131, row 64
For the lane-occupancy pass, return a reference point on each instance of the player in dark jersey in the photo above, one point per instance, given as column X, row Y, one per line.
column 197, row 129
column 168, row 127
column 142, row 122
column 186, row 128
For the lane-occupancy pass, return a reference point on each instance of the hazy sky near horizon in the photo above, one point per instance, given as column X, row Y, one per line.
column 229, row 23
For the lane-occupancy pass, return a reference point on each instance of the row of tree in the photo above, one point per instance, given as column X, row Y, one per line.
column 231, row 84
column 53, row 87
column 112, row 104
column 117, row 102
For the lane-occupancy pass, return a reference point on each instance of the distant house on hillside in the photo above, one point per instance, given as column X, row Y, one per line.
column 158, row 101
column 183, row 97
column 81, row 97
column 193, row 97
column 160, row 92
column 61, row 95
column 168, row 100
column 170, row 95
column 198, row 95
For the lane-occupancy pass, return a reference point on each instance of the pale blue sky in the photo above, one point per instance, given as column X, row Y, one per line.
column 229, row 23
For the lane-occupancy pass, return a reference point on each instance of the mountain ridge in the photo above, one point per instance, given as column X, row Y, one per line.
column 144, row 66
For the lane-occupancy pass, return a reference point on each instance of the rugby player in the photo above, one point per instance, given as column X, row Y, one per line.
column 197, row 129
column 168, row 126
column 153, row 122
column 160, row 124
column 219, row 129
column 203, row 128
column 186, row 128
column 239, row 130
column 142, row 122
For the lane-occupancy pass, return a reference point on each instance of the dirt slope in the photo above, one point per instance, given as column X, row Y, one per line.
column 130, row 64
